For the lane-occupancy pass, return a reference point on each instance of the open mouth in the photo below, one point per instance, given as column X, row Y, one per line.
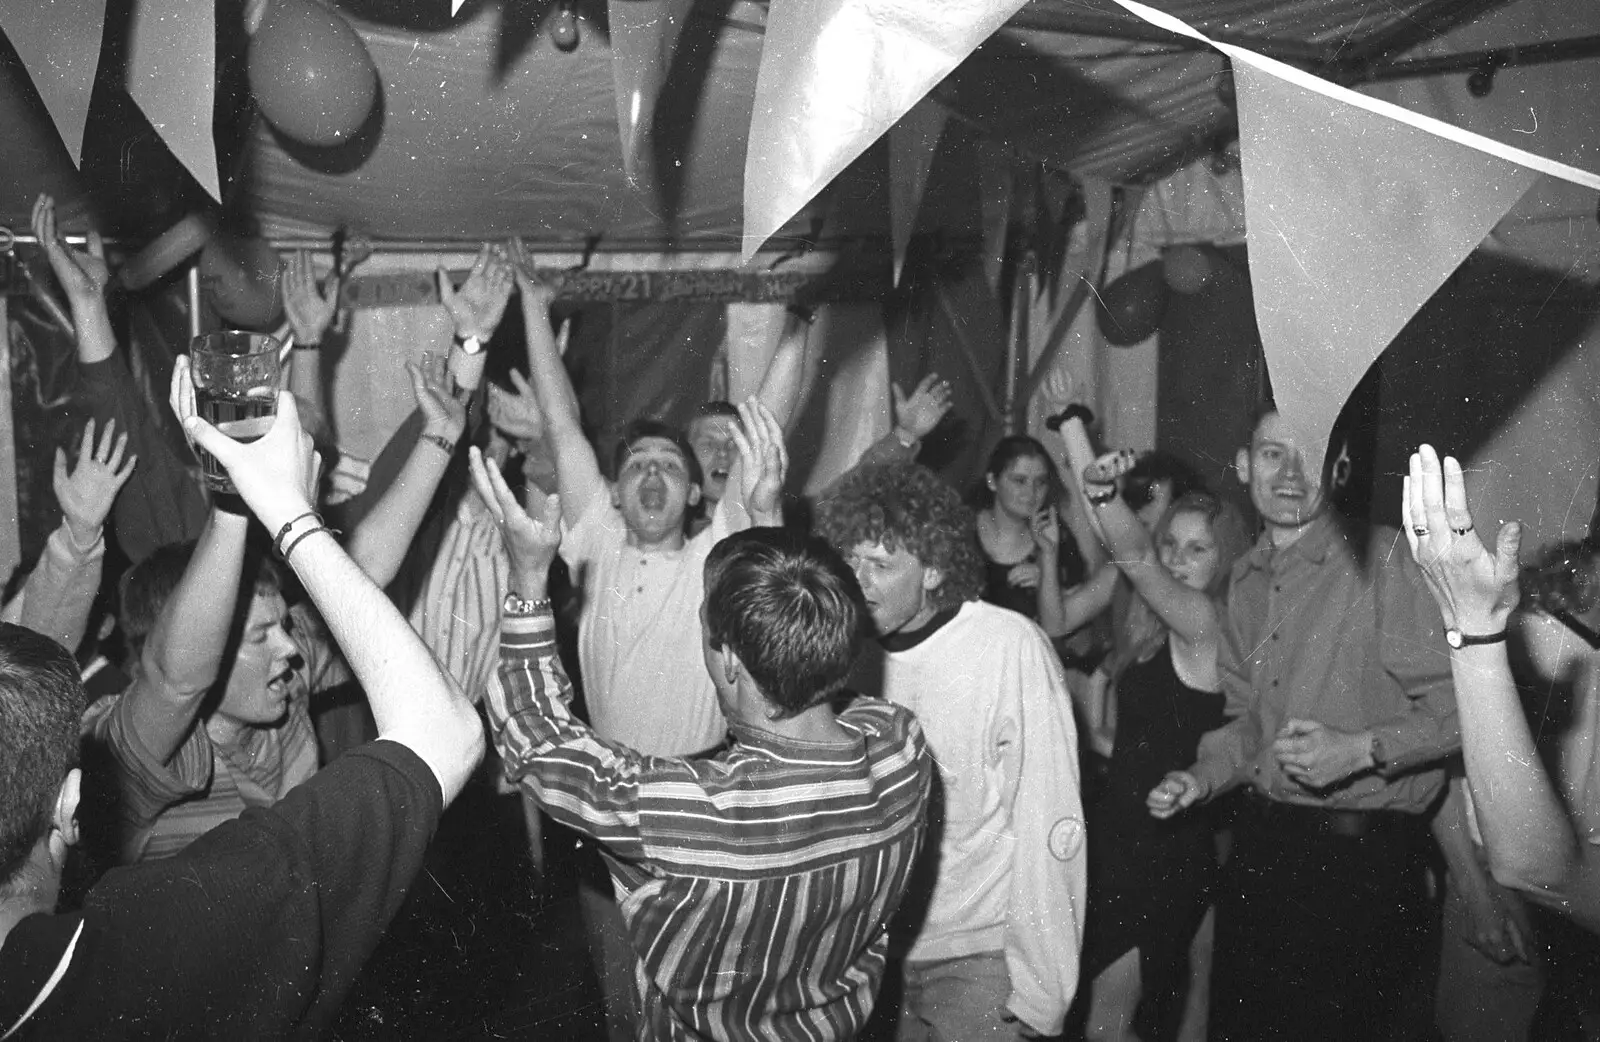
column 718, row 476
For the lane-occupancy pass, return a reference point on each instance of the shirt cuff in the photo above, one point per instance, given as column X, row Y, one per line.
column 530, row 634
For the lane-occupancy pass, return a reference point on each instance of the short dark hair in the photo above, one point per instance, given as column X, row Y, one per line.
column 41, row 710
column 1139, row 484
column 639, row 429
column 907, row 505
column 790, row 608
column 145, row 588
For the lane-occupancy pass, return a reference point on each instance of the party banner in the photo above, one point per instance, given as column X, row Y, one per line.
column 172, row 61
column 59, row 44
column 1357, row 210
column 912, row 143
column 836, row 74
column 644, row 34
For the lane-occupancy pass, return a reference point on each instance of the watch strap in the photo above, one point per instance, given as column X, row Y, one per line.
column 1456, row 639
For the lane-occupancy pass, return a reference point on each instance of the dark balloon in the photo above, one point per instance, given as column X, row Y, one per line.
column 1188, row 269
column 311, row 73
column 1132, row 306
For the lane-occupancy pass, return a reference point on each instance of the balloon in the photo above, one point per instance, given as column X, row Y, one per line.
column 1131, row 308
column 1188, row 269
column 311, row 74
column 165, row 252
column 240, row 276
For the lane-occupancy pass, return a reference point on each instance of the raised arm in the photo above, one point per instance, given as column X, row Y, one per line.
column 411, row 699
column 1525, row 826
column 163, row 503
column 310, row 309
column 784, row 382
column 60, row 591
column 1187, row 612
column 577, row 470
column 380, row 539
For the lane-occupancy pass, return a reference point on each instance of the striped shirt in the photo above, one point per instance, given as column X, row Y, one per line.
column 757, row 884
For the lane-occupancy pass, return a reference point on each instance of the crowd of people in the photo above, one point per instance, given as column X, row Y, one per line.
column 1075, row 757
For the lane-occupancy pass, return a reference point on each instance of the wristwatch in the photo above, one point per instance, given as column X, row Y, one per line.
column 1456, row 639
column 469, row 344
column 517, row 605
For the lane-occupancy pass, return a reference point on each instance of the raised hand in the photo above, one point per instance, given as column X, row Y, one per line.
column 921, row 413
column 310, row 309
column 516, row 415
column 535, row 289
column 765, row 461
column 443, row 414
column 478, row 305
column 83, row 274
column 530, row 542
column 1476, row 591
column 276, row 474
column 86, row 496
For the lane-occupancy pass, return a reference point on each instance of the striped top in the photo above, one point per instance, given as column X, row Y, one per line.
column 757, row 884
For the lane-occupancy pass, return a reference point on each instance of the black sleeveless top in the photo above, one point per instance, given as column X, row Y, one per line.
column 1160, row 721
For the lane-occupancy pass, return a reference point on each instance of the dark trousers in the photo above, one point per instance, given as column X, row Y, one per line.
column 1322, row 926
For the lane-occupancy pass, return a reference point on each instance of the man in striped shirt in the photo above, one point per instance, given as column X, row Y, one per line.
column 757, row 884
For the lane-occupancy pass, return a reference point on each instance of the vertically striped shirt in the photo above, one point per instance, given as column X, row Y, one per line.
column 757, row 884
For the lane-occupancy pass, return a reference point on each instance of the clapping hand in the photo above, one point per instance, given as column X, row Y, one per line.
column 310, row 310
column 443, row 414
column 83, row 274
column 86, row 496
column 921, row 413
column 759, row 439
column 531, row 542
column 275, row 474
column 516, row 415
column 1476, row 591
column 478, row 305
column 1316, row 756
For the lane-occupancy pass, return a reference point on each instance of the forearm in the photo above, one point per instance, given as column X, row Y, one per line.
column 585, row 783
column 552, row 387
column 1224, row 753
column 61, row 589
column 1052, row 614
column 412, row 700
column 1081, row 604
column 1449, row 827
column 183, row 654
column 785, row 376
column 379, row 541
column 1524, row 823
column 95, row 340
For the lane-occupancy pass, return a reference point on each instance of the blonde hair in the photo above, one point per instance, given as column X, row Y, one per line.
column 1143, row 632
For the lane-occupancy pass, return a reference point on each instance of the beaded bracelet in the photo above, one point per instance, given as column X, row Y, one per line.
column 445, row 445
column 1100, row 499
column 277, row 540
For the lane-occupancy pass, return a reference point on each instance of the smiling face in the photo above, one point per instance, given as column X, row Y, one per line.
column 1188, row 549
column 262, row 680
column 896, row 587
column 653, row 490
column 1284, row 494
column 1022, row 488
column 711, row 437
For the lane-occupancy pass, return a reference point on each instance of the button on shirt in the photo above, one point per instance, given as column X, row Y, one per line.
column 1337, row 628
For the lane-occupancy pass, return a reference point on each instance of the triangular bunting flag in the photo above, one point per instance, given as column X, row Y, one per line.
column 644, row 35
column 172, row 64
column 59, row 44
column 836, row 74
column 1357, row 210
column 912, row 143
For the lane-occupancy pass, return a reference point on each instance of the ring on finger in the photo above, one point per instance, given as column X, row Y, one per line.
column 1461, row 531
column 1420, row 530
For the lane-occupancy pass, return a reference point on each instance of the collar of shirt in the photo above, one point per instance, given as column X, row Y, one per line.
column 1314, row 544
column 753, row 737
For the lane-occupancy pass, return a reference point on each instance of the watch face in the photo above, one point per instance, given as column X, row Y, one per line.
column 1452, row 637
column 471, row 345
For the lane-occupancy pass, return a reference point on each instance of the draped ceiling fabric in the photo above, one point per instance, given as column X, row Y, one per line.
column 486, row 129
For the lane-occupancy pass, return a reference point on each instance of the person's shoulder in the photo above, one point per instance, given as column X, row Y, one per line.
column 993, row 624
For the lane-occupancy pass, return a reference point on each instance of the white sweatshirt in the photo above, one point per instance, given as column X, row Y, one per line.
column 989, row 692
